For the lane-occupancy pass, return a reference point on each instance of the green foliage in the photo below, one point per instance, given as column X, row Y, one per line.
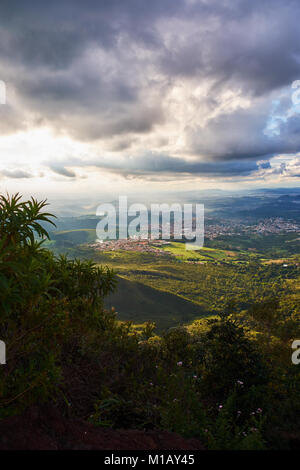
column 228, row 357
column 40, row 296
column 234, row 429
column 20, row 221
column 227, row 379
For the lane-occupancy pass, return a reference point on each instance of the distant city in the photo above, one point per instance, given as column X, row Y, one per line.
column 145, row 244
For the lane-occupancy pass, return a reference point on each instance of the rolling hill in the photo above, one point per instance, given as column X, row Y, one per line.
column 138, row 302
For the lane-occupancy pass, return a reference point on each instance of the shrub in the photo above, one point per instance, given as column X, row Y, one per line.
column 44, row 302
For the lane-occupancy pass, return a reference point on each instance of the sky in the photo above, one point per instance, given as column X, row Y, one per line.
column 102, row 97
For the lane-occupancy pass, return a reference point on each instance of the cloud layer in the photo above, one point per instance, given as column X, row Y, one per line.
column 154, row 88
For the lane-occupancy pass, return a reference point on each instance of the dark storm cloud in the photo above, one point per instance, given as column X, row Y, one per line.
column 164, row 164
column 242, row 134
column 100, row 69
column 61, row 170
column 53, row 33
column 254, row 45
column 154, row 164
column 16, row 174
column 42, row 46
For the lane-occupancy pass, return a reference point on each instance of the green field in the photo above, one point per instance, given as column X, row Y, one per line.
column 205, row 254
column 184, row 284
column 210, row 286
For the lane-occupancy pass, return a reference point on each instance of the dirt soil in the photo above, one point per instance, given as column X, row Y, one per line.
column 44, row 428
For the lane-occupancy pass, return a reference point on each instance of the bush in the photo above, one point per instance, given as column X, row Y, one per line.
column 46, row 304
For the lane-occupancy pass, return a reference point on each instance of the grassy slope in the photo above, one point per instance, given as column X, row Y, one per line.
column 209, row 285
column 204, row 254
column 74, row 236
column 138, row 302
